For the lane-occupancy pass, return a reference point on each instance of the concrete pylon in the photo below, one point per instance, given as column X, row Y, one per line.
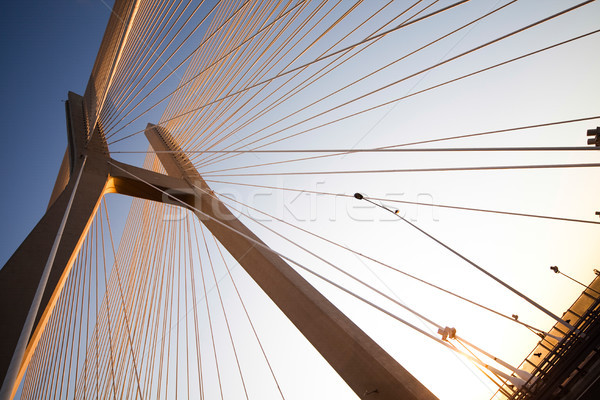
column 369, row 371
column 21, row 277
column 29, row 290
column 26, row 294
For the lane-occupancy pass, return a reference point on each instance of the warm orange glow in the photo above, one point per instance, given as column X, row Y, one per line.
column 41, row 326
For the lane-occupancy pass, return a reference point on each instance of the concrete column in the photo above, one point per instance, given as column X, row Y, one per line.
column 21, row 275
column 370, row 371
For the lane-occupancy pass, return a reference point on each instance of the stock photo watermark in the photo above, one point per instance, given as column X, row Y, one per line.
column 313, row 204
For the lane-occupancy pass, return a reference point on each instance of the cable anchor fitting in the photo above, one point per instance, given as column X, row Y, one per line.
column 447, row 333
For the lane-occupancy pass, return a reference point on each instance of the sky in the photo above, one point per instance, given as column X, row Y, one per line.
column 49, row 50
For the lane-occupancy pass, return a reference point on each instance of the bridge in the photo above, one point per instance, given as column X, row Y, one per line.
column 213, row 262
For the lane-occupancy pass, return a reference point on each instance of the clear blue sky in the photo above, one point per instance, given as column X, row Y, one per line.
column 48, row 49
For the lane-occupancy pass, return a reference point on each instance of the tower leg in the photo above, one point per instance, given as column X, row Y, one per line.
column 20, row 276
column 368, row 369
column 22, row 279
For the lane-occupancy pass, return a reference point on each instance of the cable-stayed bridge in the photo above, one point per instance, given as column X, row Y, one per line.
column 254, row 98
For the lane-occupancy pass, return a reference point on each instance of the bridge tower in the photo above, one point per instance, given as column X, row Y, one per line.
column 33, row 278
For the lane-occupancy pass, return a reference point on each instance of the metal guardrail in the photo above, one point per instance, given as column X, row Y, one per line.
column 562, row 372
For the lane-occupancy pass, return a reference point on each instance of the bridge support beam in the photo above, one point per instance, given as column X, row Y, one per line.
column 28, row 292
column 370, row 371
column 22, row 277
